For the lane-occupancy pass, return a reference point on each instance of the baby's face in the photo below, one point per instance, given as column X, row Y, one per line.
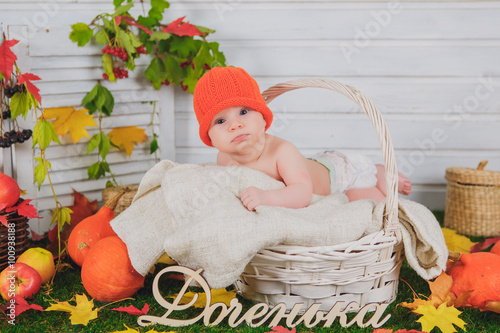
column 236, row 128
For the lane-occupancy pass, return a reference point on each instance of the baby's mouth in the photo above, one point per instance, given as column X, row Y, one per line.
column 239, row 137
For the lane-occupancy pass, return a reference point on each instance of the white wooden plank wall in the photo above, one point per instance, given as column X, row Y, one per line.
column 430, row 67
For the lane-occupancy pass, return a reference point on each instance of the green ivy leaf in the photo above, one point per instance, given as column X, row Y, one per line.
column 93, row 171
column 63, row 215
column 20, row 104
column 184, row 46
column 90, row 96
column 109, row 184
column 44, row 133
column 134, row 40
column 123, row 9
column 93, row 143
column 203, row 57
column 109, row 102
column 159, row 35
column 124, row 40
column 156, row 72
column 153, row 146
column 117, row 3
column 174, row 71
column 99, row 98
column 104, row 145
column 157, row 9
column 101, row 37
column 190, row 78
column 1, row 76
column 80, row 33
column 107, row 65
column 108, row 24
column 204, row 30
column 219, row 58
column 148, row 22
column 40, row 171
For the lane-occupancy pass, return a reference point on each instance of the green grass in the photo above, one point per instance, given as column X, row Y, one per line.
column 68, row 283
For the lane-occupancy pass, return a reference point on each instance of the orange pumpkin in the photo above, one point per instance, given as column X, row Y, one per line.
column 479, row 272
column 91, row 230
column 107, row 274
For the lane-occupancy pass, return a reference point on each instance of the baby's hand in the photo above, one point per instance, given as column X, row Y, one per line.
column 252, row 197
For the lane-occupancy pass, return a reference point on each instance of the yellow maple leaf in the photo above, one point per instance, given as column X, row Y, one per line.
column 165, row 259
column 81, row 313
column 456, row 242
column 218, row 296
column 124, row 137
column 69, row 119
column 128, row 330
column 444, row 317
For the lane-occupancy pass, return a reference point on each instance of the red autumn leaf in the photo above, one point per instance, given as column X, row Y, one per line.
column 133, row 22
column 24, row 209
column 3, row 220
column 484, row 245
column 7, row 58
column 180, row 28
column 384, row 330
column 36, row 237
column 133, row 310
column 281, row 329
column 27, row 78
column 20, row 306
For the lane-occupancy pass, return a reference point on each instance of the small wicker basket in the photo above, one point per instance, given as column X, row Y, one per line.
column 473, row 201
column 364, row 271
column 125, row 201
column 20, row 233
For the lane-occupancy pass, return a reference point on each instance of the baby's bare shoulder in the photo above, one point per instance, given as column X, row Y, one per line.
column 281, row 146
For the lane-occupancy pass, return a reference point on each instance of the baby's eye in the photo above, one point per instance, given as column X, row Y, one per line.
column 219, row 121
column 243, row 112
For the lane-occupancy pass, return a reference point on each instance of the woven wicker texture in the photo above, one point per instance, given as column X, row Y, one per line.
column 473, row 201
column 21, row 237
column 126, row 199
column 365, row 271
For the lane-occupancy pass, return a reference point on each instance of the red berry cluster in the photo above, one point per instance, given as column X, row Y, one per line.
column 141, row 50
column 119, row 73
column 118, row 52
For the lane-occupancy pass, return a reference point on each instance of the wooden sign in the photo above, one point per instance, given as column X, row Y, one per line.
column 258, row 314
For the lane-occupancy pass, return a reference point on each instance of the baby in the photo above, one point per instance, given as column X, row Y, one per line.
column 233, row 118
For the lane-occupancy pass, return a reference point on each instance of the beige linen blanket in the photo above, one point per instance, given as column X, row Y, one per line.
column 193, row 213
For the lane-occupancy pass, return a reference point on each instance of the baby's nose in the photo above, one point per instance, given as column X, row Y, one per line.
column 236, row 124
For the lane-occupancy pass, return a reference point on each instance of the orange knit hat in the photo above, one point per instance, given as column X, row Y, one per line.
column 223, row 87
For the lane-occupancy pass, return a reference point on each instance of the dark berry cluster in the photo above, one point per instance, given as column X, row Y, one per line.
column 12, row 137
column 118, row 52
column 9, row 92
column 141, row 50
column 6, row 114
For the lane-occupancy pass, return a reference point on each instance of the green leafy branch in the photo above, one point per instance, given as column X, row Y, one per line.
column 26, row 97
column 179, row 54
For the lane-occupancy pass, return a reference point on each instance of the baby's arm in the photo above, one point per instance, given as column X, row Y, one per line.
column 299, row 189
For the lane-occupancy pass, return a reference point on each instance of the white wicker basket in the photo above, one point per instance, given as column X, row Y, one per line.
column 365, row 271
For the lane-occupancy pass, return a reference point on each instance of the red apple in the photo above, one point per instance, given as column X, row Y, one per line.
column 21, row 280
column 9, row 190
column 41, row 260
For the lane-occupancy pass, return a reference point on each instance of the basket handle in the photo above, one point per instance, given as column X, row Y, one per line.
column 391, row 207
column 482, row 164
